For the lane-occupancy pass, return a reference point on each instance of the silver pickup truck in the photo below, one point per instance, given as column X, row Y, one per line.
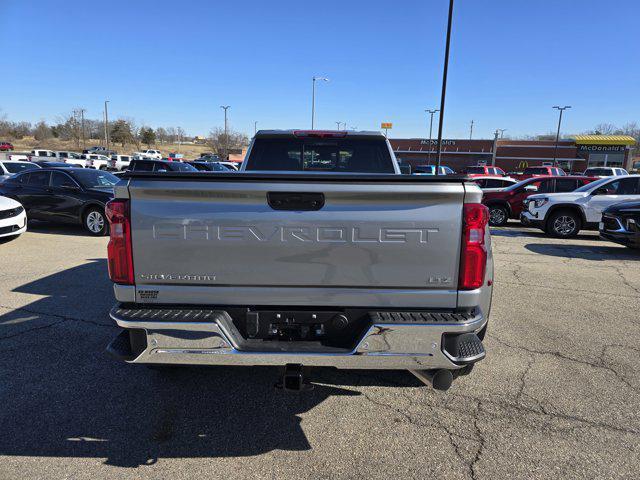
column 318, row 253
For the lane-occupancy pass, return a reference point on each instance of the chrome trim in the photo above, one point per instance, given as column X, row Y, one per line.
column 383, row 346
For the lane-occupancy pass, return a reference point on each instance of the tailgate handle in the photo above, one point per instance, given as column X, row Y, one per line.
column 300, row 201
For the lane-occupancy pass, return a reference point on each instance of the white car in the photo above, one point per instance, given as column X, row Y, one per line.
column 494, row 184
column 94, row 160
column 13, row 218
column 603, row 172
column 73, row 158
column 120, row 162
column 40, row 154
column 565, row 214
column 9, row 168
column 144, row 154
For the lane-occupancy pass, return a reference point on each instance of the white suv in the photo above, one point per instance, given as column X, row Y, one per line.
column 564, row 214
column 604, row 172
column 154, row 154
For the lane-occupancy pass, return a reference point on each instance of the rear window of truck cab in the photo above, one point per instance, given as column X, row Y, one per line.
column 366, row 155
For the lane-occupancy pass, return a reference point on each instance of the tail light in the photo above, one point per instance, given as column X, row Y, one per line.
column 120, row 259
column 473, row 257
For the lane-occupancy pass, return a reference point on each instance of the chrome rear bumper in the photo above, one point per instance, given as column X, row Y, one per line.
column 208, row 337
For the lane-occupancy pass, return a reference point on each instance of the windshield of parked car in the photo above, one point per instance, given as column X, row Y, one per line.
column 475, row 169
column 521, row 183
column 589, row 186
column 89, row 178
column 16, row 167
column 536, row 171
column 362, row 155
column 181, row 167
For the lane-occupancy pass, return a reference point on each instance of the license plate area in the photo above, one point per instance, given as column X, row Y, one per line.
column 295, row 325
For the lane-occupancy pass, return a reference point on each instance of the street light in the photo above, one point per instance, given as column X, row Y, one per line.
column 226, row 138
column 502, row 130
column 444, row 84
column 255, row 128
column 313, row 99
column 430, row 128
column 106, row 125
column 339, row 123
column 555, row 150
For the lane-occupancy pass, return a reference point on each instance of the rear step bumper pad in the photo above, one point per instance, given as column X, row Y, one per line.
column 395, row 340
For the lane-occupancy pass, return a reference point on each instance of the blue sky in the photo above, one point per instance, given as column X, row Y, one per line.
column 168, row 63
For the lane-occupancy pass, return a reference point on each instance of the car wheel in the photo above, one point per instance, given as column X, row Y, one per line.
column 498, row 216
column 95, row 222
column 564, row 224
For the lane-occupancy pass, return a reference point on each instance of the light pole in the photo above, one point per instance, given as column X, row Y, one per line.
column 444, row 84
column 495, row 148
column 226, row 137
column 255, row 128
column 430, row 128
column 502, row 130
column 313, row 99
column 471, row 130
column 338, row 123
column 82, row 110
column 555, row 150
column 106, row 125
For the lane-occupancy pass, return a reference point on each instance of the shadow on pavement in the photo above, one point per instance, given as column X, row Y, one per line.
column 39, row 226
column 585, row 252
column 62, row 396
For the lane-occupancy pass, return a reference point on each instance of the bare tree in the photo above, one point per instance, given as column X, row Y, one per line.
column 224, row 144
column 604, row 129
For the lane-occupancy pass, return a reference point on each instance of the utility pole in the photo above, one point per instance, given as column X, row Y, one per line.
column 444, row 85
column 226, row 136
column 106, row 125
column 502, row 130
column 495, row 149
column 555, row 150
column 82, row 110
column 313, row 99
column 471, row 130
column 338, row 123
column 430, row 128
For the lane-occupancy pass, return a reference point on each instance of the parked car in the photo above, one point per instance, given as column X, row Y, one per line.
column 6, row 146
column 179, row 157
column 73, row 158
column 100, row 151
column 54, row 164
column 9, row 168
column 210, row 167
column 508, row 203
column 120, row 162
column 13, row 218
column 18, row 157
column 41, row 154
column 95, row 160
column 602, row 172
column 492, row 184
column 543, row 171
column 209, row 157
column 309, row 258
column 154, row 154
column 159, row 166
column 69, row 195
column 231, row 165
column 565, row 214
column 431, row 170
column 484, row 170
column 621, row 224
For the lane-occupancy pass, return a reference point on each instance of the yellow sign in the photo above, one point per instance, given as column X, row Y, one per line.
column 386, row 125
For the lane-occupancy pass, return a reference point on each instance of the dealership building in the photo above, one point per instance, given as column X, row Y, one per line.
column 573, row 155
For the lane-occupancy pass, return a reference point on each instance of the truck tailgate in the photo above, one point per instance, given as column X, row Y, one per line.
column 208, row 234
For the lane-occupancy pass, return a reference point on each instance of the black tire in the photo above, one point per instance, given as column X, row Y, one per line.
column 498, row 216
column 564, row 224
column 95, row 221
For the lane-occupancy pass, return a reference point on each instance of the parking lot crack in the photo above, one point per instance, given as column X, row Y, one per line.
column 55, row 315
column 29, row 330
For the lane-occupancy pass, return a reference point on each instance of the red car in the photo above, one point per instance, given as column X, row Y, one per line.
column 544, row 171
column 507, row 203
column 5, row 146
column 484, row 170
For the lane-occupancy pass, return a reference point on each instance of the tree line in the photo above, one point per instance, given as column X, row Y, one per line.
column 74, row 127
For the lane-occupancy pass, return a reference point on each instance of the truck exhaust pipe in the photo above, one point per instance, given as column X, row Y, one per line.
column 440, row 379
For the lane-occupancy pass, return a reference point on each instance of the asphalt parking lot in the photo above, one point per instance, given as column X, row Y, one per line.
column 557, row 396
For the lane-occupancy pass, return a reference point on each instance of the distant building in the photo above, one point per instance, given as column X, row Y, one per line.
column 198, row 139
column 573, row 155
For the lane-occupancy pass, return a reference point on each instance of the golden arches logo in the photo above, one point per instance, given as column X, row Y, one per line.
column 523, row 164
